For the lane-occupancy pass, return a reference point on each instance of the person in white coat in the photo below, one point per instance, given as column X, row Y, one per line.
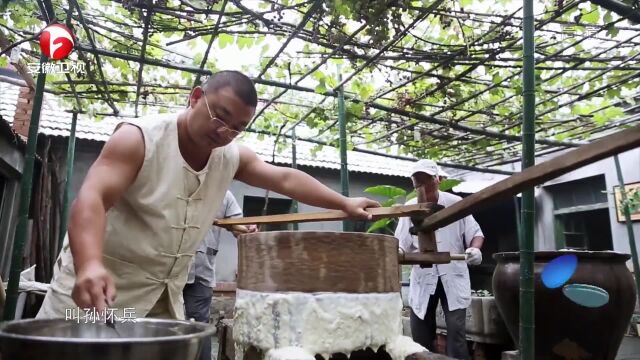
column 201, row 280
column 445, row 283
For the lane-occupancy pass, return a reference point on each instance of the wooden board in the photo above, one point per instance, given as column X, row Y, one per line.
column 377, row 213
column 535, row 175
column 312, row 261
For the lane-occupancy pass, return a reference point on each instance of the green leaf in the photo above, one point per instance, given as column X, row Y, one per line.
column 318, row 75
column 607, row 17
column 612, row 32
column 600, row 118
column 584, row 109
column 561, row 136
column 244, row 42
column 465, row 3
column 315, row 150
column 366, row 91
column 187, row 77
column 386, row 191
column 382, row 223
column 198, row 58
column 331, row 81
column 387, row 203
column 342, row 8
column 224, row 40
column 356, row 110
column 321, row 88
column 591, row 17
column 397, row 200
column 609, row 114
column 613, row 93
column 448, row 184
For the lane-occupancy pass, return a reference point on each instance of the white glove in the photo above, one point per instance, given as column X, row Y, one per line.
column 474, row 256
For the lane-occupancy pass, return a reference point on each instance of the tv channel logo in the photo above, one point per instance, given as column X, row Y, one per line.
column 56, row 43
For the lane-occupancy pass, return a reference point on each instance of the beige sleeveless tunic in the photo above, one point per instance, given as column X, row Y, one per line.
column 154, row 229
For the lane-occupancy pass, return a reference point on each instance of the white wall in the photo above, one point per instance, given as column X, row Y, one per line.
column 630, row 165
column 544, row 231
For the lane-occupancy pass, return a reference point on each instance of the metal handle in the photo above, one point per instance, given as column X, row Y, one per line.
column 428, row 258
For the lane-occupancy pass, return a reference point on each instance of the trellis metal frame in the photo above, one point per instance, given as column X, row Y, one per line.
column 464, row 133
column 502, row 130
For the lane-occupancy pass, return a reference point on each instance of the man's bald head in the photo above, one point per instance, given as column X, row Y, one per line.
column 241, row 85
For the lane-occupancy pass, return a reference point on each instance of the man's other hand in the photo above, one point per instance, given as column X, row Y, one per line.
column 94, row 287
column 474, row 256
column 355, row 207
column 238, row 230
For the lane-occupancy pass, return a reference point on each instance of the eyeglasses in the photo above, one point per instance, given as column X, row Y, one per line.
column 224, row 128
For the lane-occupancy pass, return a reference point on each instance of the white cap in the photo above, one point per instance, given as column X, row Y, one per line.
column 442, row 172
column 426, row 166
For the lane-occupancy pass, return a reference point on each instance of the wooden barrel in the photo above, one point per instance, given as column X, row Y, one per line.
column 311, row 261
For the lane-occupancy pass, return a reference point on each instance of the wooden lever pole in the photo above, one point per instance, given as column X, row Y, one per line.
column 376, row 213
column 535, row 175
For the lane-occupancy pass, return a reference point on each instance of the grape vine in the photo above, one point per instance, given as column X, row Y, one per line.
column 381, row 16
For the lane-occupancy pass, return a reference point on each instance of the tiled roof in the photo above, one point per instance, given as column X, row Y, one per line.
column 55, row 122
column 328, row 157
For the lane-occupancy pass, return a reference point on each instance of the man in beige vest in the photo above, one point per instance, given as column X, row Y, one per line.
column 149, row 198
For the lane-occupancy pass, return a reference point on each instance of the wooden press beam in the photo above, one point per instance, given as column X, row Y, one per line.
column 603, row 148
column 376, row 213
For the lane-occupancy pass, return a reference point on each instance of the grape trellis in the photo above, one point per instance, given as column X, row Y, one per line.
column 438, row 79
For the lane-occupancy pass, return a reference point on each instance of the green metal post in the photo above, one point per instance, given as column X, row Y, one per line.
column 71, row 148
column 344, row 171
column 25, row 198
column 516, row 206
column 294, row 164
column 632, row 238
column 527, row 309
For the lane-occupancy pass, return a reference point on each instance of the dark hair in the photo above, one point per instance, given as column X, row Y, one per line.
column 241, row 85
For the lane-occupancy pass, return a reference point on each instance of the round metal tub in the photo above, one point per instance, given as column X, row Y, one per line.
column 59, row 339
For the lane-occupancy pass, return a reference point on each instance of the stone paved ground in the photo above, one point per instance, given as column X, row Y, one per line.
column 630, row 348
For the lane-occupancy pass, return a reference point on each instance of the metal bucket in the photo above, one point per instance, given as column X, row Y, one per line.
column 59, row 339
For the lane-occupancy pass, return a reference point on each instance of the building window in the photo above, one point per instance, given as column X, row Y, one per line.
column 254, row 206
column 581, row 214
